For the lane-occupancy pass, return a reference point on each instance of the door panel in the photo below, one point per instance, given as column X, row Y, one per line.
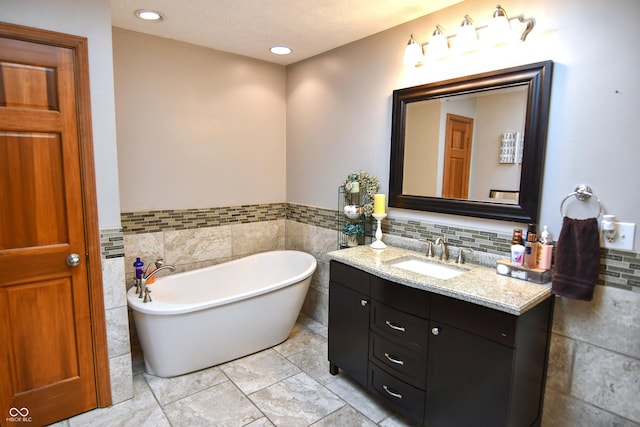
column 42, row 334
column 457, row 157
column 33, row 188
column 46, row 347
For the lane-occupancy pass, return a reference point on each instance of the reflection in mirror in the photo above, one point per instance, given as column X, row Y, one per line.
column 458, row 146
column 463, row 146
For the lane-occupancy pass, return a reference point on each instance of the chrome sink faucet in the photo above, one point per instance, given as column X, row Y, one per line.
column 444, row 248
column 145, row 292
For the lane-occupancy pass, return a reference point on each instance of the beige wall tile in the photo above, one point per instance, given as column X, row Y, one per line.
column 560, row 365
column 148, row 246
column 121, row 378
column 607, row 380
column 257, row 237
column 297, row 236
column 113, row 283
column 564, row 411
column 611, row 320
column 200, row 244
column 118, row 341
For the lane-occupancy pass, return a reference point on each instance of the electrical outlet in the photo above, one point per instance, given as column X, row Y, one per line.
column 625, row 234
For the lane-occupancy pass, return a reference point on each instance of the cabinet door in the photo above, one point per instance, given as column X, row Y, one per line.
column 348, row 331
column 468, row 379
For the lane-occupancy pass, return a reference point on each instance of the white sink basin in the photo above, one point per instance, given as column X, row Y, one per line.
column 431, row 269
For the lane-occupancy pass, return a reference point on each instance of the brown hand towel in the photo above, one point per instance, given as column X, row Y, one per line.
column 577, row 259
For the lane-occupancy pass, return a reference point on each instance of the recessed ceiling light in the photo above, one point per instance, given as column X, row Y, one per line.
column 280, row 50
column 149, row 15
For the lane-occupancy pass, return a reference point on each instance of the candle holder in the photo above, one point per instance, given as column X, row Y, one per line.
column 378, row 244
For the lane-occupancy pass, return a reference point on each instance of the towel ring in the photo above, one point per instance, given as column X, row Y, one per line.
column 582, row 193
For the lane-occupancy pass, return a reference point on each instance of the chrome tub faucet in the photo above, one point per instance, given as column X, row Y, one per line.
column 142, row 289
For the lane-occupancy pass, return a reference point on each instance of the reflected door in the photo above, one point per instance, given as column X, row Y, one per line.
column 47, row 366
column 457, row 157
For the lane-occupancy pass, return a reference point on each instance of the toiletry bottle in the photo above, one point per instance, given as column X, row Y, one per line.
column 517, row 237
column 139, row 266
column 545, row 249
column 517, row 253
column 531, row 248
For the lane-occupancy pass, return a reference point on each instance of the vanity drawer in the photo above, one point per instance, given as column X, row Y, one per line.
column 410, row 366
column 406, row 399
column 353, row 278
column 405, row 298
column 492, row 324
column 405, row 329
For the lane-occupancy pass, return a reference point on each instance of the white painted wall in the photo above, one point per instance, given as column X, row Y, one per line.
column 339, row 104
column 90, row 19
column 197, row 128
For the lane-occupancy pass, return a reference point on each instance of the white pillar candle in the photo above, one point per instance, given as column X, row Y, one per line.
column 379, row 203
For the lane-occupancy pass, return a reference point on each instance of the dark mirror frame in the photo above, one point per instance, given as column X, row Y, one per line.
column 537, row 77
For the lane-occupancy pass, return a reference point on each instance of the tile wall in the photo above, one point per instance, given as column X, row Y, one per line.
column 595, row 353
column 116, row 316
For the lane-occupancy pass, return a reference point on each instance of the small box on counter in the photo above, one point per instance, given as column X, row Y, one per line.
column 535, row 275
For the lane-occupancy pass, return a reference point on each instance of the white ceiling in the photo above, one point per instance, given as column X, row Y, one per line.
column 251, row 27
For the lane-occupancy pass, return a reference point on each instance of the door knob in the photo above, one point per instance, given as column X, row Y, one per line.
column 73, row 260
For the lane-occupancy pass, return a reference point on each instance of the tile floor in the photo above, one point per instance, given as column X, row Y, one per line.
column 287, row 385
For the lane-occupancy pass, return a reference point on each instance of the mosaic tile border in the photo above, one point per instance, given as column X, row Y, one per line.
column 111, row 243
column 617, row 268
column 182, row 219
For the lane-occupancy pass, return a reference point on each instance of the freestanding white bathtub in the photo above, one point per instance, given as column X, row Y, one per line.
column 205, row 317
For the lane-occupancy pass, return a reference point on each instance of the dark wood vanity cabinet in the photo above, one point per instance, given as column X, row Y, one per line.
column 349, row 306
column 437, row 360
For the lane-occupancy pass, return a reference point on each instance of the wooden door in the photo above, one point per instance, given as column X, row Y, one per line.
column 47, row 353
column 457, row 157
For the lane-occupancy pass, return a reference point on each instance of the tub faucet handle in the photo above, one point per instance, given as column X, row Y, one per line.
column 147, row 294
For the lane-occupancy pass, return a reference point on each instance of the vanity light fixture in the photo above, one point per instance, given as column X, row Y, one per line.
column 438, row 45
column 467, row 37
column 413, row 52
column 148, row 15
column 500, row 29
column 280, row 50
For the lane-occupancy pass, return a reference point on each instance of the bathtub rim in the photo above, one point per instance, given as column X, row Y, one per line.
column 167, row 309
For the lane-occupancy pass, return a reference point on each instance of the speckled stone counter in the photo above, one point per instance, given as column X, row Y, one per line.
column 478, row 285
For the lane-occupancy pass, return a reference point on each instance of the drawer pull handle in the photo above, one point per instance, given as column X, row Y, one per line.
column 435, row 331
column 364, row 302
column 394, row 327
column 393, row 359
column 391, row 393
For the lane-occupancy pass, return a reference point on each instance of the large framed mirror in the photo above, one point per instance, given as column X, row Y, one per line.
column 473, row 145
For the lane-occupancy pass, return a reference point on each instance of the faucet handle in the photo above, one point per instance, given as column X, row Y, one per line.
column 430, row 249
column 460, row 258
column 147, row 295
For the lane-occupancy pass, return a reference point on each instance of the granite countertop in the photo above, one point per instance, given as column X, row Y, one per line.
column 478, row 285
